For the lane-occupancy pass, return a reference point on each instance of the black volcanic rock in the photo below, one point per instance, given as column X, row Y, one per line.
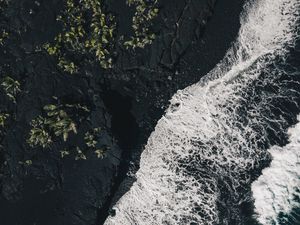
column 126, row 102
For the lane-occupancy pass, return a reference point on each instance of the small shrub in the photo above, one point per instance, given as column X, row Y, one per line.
column 142, row 22
column 56, row 123
column 3, row 118
column 100, row 153
column 64, row 153
column 38, row 135
column 11, row 87
column 91, row 137
column 87, row 31
column 59, row 122
column 26, row 162
column 4, row 35
column 80, row 154
column 91, row 140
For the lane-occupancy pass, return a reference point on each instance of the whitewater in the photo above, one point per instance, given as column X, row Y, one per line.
column 204, row 157
column 278, row 187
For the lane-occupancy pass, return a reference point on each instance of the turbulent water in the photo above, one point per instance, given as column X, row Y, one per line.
column 278, row 189
column 213, row 141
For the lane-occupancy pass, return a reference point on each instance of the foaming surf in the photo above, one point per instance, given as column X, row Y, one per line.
column 199, row 163
column 277, row 190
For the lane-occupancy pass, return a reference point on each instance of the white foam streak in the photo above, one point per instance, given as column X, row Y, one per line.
column 276, row 189
column 202, row 138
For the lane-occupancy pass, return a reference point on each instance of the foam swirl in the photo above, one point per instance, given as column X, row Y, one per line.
column 216, row 133
column 278, row 188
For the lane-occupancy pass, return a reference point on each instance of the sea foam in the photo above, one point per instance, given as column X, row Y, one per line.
column 214, row 133
column 277, row 190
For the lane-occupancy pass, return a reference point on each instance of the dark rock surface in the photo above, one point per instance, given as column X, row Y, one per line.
column 126, row 102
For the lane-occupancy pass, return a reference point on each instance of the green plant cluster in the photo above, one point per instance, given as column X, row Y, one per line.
column 27, row 162
column 56, row 123
column 3, row 36
column 39, row 134
column 91, row 138
column 3, row 124
column 79, row 154
column 11, row 87
column 3, row 118
column 3, row 32
column 145, row 12
column 87, row 31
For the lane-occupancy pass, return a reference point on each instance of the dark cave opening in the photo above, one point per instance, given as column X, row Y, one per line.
column 124, row 126
column 126, row 131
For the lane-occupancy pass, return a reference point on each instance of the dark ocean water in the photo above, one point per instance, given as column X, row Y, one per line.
column 292, row 67
column 214, row 139
column 288, row 108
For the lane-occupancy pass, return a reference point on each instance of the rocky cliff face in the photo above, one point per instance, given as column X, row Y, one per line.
column 39, row 186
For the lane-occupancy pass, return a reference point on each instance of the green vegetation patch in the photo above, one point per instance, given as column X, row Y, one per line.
column 91, row 140
column 142, row 22
column 11, row 87
column 3, row 36
column 3, row 118
column 39, row 134
column 3, row 31
column 87, row 31
column 57, row 122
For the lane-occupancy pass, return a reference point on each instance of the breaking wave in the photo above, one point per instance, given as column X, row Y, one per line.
column 277, row 191
column 199, row 163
